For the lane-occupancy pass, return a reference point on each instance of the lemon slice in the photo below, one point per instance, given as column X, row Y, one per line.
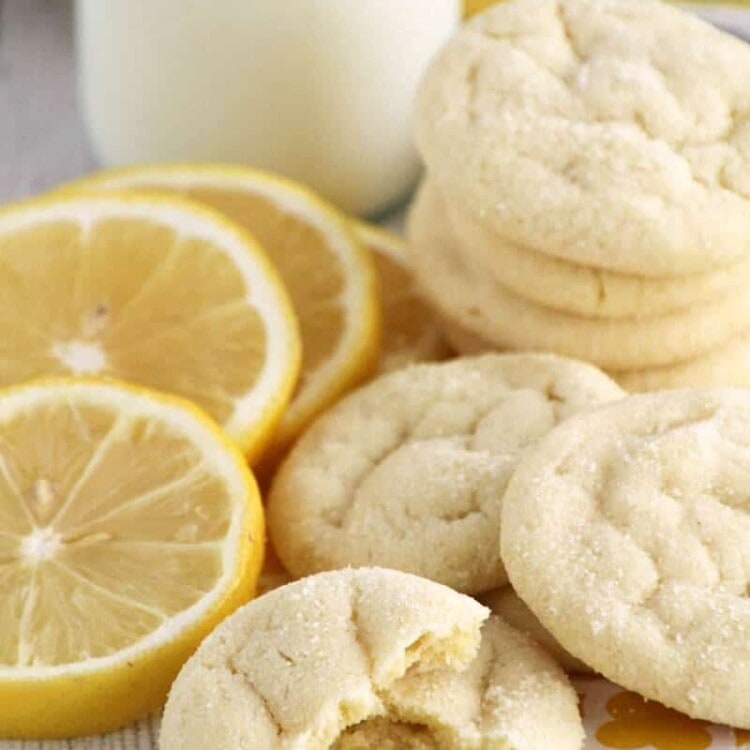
column 129, row 527
column 330, row 277
column 411, row 332
column 471, row 7
column 160, row 292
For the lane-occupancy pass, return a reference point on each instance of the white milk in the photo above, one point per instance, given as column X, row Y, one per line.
column 320, row 90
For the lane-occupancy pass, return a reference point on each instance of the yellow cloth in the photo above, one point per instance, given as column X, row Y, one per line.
column 474, row 6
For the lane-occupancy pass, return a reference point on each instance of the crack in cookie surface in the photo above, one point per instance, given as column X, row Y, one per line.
column 367, row 659
column 409, row 472
column 649, row 540
column 574, row 128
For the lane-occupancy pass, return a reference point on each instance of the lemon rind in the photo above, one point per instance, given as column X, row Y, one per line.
column 360, row 343
column 70, row 700
column 258, row 412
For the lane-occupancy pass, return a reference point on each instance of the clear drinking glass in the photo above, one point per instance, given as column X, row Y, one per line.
column 319, row 90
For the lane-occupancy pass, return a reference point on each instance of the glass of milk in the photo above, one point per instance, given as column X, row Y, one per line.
column 318, row 90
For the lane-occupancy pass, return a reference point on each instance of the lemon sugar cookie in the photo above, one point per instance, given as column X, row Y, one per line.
column 609, row 133
column 627, row 533
column 468, row 295
column 727, row 365
column 505, row 603
column 417, row 461
column 578, row 289
column 369, row 658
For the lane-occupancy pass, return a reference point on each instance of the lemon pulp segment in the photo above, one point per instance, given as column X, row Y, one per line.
column 129, row 526
column 330, row 277
column 158, row 292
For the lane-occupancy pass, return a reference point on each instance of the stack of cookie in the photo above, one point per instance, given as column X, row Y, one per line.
column 588, row 189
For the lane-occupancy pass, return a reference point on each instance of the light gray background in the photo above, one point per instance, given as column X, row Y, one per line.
column 41, row 136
